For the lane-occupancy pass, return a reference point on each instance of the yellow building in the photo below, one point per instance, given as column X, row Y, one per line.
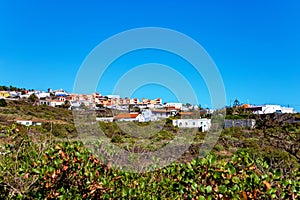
column 4, row 94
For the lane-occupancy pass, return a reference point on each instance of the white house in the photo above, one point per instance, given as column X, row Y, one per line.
column 128, row 117
column 14, row 94
column 25, row 96
column 203, row 124
column 29, row 122
column 75, row 104
column 42, row 95
column 146, row 115
column 55, row 103
column 177, row 106
column 288, row 110
column 162, row 114
column 269, row 109
column 24, row 122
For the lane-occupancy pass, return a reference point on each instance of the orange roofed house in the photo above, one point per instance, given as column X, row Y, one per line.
column 130, row 117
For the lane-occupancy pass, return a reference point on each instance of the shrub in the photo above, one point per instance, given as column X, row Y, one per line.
column 3, row 103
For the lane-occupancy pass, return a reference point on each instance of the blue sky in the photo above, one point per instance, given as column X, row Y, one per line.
column 255, row 44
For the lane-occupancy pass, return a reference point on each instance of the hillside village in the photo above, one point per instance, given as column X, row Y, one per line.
column 268, row 132
column 134, row 109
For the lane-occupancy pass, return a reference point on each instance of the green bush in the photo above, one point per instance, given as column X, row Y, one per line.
column 3, row 103
column 117, row 139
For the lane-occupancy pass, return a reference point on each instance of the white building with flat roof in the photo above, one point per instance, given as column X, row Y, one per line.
column 177, row 106
column 203, row 124
column 270, row 109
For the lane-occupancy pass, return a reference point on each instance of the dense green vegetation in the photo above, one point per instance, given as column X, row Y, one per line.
column 39, row 168
column 49, row 162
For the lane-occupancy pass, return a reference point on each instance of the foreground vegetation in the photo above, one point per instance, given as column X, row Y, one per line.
column 49, row 162
column 44, row 167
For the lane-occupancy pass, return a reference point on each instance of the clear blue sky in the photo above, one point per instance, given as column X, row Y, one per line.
column 255, row 44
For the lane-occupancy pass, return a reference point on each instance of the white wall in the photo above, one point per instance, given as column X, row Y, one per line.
column 287, row 110
column 42, row 95
column 56, row 103
column 24, row 122
column 29, row 123
column 269, row 109
column 104, row 119
column 146, row 115
column 160, row 115
column 176, row 105
column 204, row 123
column 128, row 119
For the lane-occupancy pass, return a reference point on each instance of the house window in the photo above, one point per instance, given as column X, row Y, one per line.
column 186, row 123
column 180, row 124
column 194, row 123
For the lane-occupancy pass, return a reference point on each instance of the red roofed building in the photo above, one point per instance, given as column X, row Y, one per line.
column 127, row 117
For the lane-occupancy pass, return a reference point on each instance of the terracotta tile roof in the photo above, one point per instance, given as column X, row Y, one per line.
column 185, row 113
column 126, row 115
column 172, row 108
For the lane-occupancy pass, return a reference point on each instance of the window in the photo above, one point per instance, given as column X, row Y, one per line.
column 194, row 123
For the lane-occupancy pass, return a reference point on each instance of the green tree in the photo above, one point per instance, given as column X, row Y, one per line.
column 66, row 104
column 3, row 103
column 3, row 88
column 32, row 98
column 236, row 103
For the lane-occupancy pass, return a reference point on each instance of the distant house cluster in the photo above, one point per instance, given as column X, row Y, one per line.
column 134, row 109
column 24, row 94
column 96, row 100
column 56, row 98
column 147, row 115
